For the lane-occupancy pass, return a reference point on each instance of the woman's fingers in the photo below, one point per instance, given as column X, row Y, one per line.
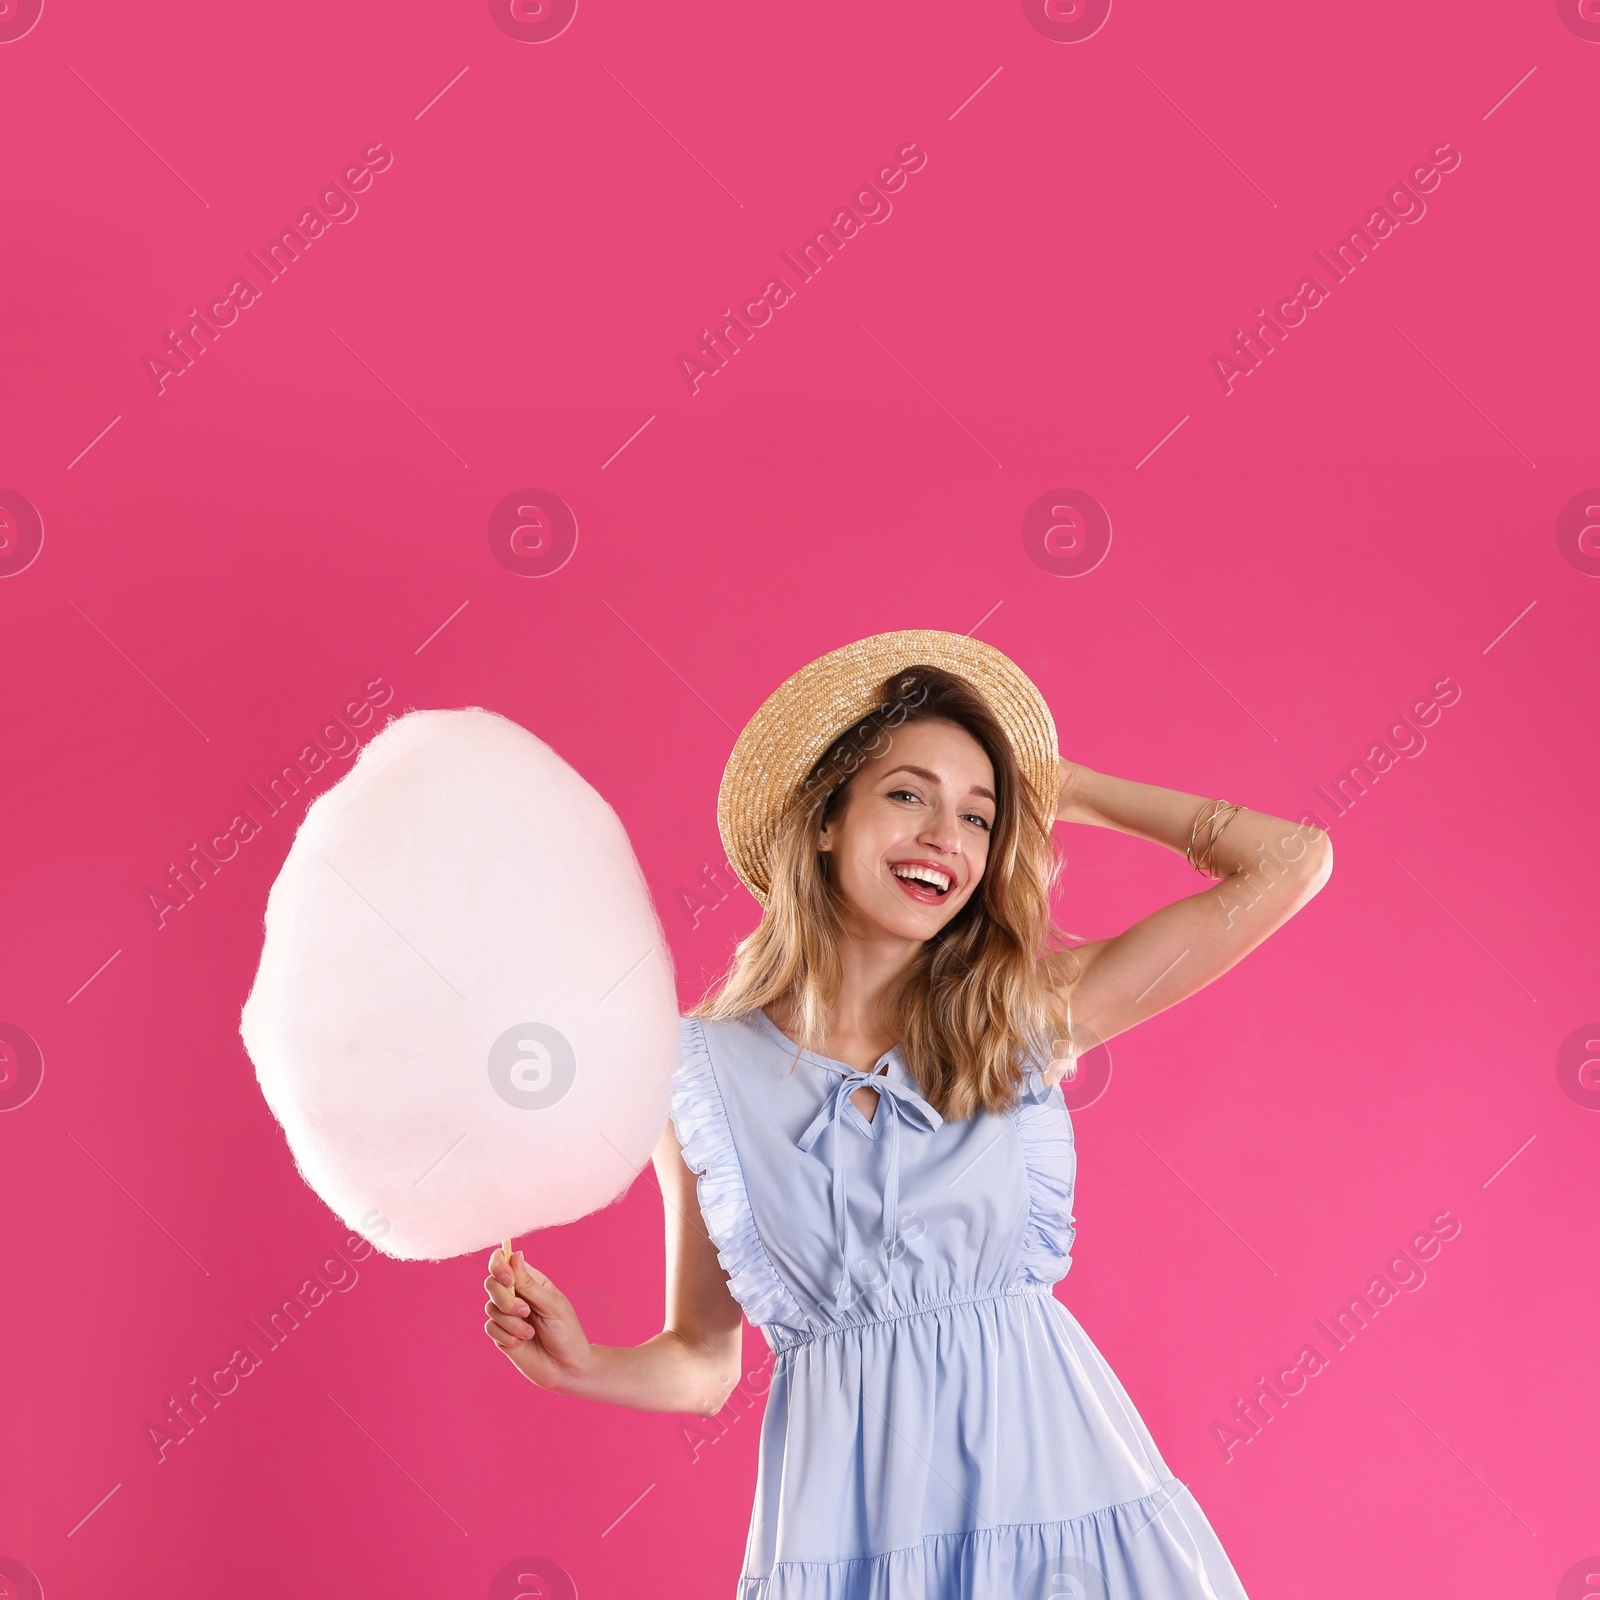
column 529, row 1318
column 515, row 1327
column 505, row 1297
column 537, row 1289
column 501, row 1338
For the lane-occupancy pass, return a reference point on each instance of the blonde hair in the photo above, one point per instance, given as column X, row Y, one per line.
column 983, row 997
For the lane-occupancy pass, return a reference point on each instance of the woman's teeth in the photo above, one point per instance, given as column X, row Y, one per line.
column 938, row 882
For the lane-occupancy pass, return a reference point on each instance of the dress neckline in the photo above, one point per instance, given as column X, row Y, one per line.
column 888, row 1062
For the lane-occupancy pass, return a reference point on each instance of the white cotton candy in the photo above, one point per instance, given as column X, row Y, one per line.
column 465, row 1016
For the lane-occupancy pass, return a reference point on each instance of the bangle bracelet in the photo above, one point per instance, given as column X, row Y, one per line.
column 1194, row 831
column 1208, row 855
column 1210, row 813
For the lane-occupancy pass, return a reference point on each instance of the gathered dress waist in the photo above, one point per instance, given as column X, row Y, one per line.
column 782, row 1339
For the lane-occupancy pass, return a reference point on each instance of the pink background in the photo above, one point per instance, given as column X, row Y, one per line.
column 307, row 509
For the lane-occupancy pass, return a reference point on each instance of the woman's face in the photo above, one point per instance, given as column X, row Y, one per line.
column 921, row 811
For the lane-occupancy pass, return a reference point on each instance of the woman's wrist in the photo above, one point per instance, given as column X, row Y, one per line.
column 1169, row 817
column 664, row 1373
column 584, row 1379
column 1073, row 802
column 1141, row 810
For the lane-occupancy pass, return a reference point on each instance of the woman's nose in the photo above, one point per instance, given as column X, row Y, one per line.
column 941, row 833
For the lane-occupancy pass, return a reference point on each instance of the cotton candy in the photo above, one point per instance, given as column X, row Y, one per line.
column 464, row 1016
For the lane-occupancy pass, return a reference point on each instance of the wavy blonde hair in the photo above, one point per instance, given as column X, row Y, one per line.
column 987, row 994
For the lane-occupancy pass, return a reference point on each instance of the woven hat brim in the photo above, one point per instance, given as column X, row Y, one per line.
column 792, row 730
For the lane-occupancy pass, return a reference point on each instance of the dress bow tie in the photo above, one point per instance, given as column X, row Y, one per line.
column 896, row 1101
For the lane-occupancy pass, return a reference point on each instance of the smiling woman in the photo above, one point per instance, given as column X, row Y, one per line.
column 964, row 991
column 882, row 1158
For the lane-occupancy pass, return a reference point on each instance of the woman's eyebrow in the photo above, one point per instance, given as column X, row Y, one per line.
column 933, row 777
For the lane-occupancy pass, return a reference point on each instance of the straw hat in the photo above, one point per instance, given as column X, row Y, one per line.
column 785, row 739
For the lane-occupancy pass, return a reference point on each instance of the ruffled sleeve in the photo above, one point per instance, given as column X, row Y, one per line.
column 1048, row 1155
column 700, row 1116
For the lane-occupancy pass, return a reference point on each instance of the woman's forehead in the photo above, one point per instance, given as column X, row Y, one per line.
column 940, row 751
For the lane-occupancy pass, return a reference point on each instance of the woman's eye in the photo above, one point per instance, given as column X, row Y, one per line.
column 983, row 822
column 894, row 794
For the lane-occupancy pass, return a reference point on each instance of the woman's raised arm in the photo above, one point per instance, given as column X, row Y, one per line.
column 691, row 1365
column 1269, row 869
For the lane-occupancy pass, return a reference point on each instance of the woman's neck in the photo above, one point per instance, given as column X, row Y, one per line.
column 855, row 1032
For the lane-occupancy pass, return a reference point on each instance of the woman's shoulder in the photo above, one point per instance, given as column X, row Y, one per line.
column 723, row 1040
column 713, row 1027
column 751, row 1028
column 1041, row 1082
column 742, row 1059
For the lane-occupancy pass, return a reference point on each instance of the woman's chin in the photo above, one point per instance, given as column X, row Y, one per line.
column 904, row 920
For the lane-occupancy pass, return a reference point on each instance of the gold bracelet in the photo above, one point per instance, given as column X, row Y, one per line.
column 1195, row 830
column 1204, row 864
column 1216, row 831
column 1208, row 855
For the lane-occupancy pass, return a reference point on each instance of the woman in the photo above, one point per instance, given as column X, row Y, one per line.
column 884, row 1157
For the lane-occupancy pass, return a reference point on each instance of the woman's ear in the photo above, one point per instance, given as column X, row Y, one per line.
column 827, row 831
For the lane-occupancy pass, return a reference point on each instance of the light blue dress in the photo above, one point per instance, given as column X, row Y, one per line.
column 938, row 1426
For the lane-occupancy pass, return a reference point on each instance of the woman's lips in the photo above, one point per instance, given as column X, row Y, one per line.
column 923, row 893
